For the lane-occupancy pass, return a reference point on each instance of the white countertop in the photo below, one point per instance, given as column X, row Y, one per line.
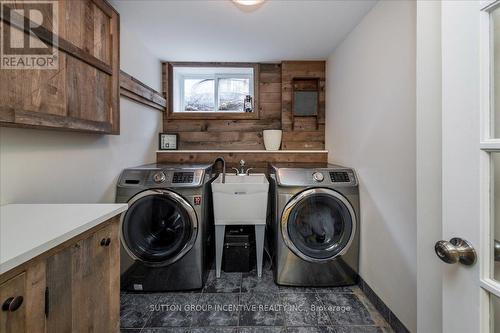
column 245, row 151
column 28, row 230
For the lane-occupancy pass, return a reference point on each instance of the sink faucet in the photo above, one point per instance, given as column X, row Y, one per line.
column 221, row 159
column 241, row 171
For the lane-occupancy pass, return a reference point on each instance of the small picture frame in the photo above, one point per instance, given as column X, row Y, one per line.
column 168, row 141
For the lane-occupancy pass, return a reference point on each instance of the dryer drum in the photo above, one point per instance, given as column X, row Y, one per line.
column 159, row 227
column 318, row 224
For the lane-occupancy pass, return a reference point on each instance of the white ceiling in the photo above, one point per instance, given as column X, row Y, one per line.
column 218, row 30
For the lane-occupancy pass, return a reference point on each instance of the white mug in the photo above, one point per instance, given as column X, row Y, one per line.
column 272, row 139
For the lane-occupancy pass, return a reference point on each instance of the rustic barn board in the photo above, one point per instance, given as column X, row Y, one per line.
column 221, row 125
column 136, row 90
column 84, row 89
column 314, row 126
column 254, row 159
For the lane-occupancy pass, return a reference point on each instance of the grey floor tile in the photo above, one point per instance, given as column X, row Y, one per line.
column 252, row 283
column 135, row 309
column 166, row 330
column 220, row 309
column 304, row 309
column 309, row 329
column 262, row 330
column 345, row 309
column 227, row 283
column 170, row 310
column 261, row 309
column 294, row 290
column 356, row 329
column 214, row 330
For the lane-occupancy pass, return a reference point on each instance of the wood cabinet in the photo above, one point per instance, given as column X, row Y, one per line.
column 72, row 288
column 82, row 92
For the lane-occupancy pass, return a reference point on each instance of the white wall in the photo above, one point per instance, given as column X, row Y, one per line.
column 429, row 166
column 40, row 166
column 371, row 126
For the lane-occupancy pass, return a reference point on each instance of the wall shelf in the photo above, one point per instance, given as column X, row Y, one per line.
column 257, row 159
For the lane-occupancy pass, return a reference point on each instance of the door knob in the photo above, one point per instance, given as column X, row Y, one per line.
column 456, row 250
column 496, row 250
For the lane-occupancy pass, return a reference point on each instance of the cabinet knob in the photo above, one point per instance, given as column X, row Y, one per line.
column 11, row 304
column 103, row 242
column 108, row 241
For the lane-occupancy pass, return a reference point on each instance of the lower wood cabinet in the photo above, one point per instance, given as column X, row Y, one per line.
column 74, row 288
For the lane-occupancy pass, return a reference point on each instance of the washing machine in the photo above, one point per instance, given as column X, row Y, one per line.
column 313, row 229
column 167, row 231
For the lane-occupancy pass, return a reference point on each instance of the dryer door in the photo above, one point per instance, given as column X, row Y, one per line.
column 159, row 227
column 318, row 224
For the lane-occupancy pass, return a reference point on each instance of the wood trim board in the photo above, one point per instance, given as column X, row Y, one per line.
column 141, row 93
column 256, row 159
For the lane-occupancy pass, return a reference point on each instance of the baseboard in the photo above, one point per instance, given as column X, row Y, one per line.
column 384, row 310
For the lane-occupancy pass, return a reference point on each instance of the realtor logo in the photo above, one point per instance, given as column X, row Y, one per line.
column 29, row 35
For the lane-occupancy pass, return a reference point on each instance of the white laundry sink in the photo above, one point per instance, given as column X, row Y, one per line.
column 241, row 199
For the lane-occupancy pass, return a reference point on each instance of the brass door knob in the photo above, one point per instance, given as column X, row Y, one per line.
column 456, row 250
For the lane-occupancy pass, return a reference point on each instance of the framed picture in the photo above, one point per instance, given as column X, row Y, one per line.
column 168, row 141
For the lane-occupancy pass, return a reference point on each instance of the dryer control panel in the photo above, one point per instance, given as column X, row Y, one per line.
column 316, row 177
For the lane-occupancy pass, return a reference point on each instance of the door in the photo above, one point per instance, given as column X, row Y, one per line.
column 471, row 165
column 159, row 227
column 318, row 224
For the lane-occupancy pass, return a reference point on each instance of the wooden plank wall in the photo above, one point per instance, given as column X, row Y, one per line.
column 306, row 132
column 247, row 134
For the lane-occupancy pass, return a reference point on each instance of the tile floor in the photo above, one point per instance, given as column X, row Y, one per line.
column 243, row 303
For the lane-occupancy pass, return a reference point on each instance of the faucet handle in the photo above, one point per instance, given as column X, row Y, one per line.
column 248, row 171
column 237, row 171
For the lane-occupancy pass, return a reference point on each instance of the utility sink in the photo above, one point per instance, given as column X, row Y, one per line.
column 241, row 199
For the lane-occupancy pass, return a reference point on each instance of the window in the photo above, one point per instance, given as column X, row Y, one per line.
column 203, row 89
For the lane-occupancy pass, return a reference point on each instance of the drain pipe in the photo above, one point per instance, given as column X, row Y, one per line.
column 221, row 159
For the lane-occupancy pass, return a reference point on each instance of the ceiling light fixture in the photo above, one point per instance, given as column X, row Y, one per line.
column 248, row 2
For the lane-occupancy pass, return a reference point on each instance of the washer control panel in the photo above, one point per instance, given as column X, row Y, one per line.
column 176, row 178
column 339, row 177
column 183, row 177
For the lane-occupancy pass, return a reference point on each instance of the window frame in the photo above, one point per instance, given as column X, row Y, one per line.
column 168, row 85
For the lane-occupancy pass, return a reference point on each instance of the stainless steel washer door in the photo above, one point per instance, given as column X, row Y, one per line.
column 159, row 227
column 318, row 224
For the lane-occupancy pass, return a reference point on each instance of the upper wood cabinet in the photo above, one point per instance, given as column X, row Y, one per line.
column 82, row 93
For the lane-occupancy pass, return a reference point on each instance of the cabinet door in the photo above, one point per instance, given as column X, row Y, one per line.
column 13, row 311
column 83, row 284
column 97, row 275
column 82, row 91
